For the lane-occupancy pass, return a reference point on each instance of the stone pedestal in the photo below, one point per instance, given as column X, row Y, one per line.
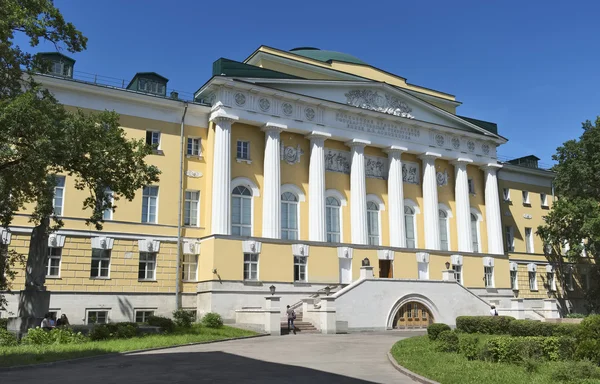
column 518, row 308
column 328, row 315
column 366, row 272
column 33, row 306
column 448, row 275
column 273, row 315
column 550, row 309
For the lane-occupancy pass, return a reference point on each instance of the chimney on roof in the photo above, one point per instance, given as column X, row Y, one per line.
column 174, row 95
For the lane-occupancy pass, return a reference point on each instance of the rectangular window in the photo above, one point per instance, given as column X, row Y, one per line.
column 488, row 276
column 585, row 284
column 108, row 213
column 373, row 227
column 141, row 316
column 506, row 194
column 513, row 280
column 510, row 240
column 147, row 266
column 525, row 197
column 551, row 281
column 153, row 139
column 251, row 266
column 59, row 194
column 471, row 185
column 190, row 268
column 333, row 223
column 458, row 273
column 193, row 146
column 410, row 231
column 53, row 262
column 533, row 281
column 300, row 268
column 192, row 202
column 149, row 204
column 97, row 317
column 100, row 263
column 528, row 240
column 243, row 150
column 544, row 199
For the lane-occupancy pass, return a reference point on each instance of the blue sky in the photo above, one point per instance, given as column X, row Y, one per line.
column 530, row 66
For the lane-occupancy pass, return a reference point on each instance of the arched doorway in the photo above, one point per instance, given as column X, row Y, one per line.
column 412, row 315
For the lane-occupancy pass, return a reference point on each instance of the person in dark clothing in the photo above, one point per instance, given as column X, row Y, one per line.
column 291, row 316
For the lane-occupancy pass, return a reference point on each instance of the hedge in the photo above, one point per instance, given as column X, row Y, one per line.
column 537, row 328
column 114, row 331
column 435, row 329
column 509, row 349
column 588, row 339
column 166, row 325
column 447, row 341
column 491, row 325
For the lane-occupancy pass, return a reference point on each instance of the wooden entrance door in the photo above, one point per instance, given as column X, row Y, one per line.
column 413, row 315
column 385, row 269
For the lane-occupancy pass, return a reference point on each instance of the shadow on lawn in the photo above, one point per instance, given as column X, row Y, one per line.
column 182, row 368
column 27, row 358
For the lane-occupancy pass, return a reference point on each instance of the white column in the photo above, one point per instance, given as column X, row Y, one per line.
column 316, row 186
column 463, row 205
column 430, row 201
column 396, row 197
column 221, row 183
column 492, row 210
column 358, row 191
column 272, row 182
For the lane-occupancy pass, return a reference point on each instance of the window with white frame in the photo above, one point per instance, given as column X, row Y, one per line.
column 289, row 216
column 142, row 315
column 147, row 266
column 458, row 273
column 533, row 281
column 149, row 204
column 241, row 211
column 410, row 227
column 97, row 317
column 151, row 86
column 53, row 262
column 190, row 268
column 488, row 277
column 108, row 213
column 373, row 223
column 251, row 266
column 528, row 240
column 506, row 194
column 100, row 263
column 513, row 280
column 525, row 197
column 332, row 217
column 443, row 223
column 475, row 232
column 153, row 139
column 544, row 199
column 192, row 203
column 300, row 268
column 59, row 194
column 510, row 238
column 471, row 185
column 243, row 150
column 193, row 146
column 551, row 282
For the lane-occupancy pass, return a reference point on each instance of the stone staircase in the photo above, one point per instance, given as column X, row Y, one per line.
column 301, row 326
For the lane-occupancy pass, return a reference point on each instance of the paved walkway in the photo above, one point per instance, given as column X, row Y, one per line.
column 308, row 358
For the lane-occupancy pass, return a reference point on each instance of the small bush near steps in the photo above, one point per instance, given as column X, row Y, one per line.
column 212, row 320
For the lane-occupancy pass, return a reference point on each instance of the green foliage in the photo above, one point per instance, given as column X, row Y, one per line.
column 588, row 339
column 447, row 341
column 530, row 365
column 435, row 329
column 468, row 346
column 575, row 316
column 39, row 336
column 166, row 325
column 537, row 328
column 183, row 318
column 7, row 339
column 3, row 323
column 491, row 325
column 575, row 372
column 509, row 349
column 123, row 330
column 212, row 320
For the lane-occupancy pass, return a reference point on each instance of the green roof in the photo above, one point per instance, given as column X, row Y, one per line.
column 53, row 55
column 488, row 126
column 231, row 68
column 326, row 56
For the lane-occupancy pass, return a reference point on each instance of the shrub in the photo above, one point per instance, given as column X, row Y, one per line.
column 435, row 329
column 212, row 320
column 167, row 325
column 100, row 332
column 7, row 339
column 491, row 325
column 183, row 319
column 468, row 346
column 575, row 371
column 588, row 339
column 3, row 323
column 114, row 331
column 37, row 336
column 508, row 349
column 536, row 328
column 447, row 341
column 575, row 316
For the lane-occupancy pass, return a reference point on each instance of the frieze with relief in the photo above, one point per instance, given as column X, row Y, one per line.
column 291, row 155
column 340, row 161
column 442, row 178
column 410, row 172
column 368, row 99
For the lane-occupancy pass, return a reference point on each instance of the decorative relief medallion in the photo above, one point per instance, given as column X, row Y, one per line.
column 309, row 113
column 439, row 140
column 527, row 216
column 240, row 99
column 367, row 99
column 410, row 172
column 287, row 109
column 264, row 104
column 471, row 146
column 194, row 174
column 486, row 149
column 291, row 155
column 376, row 167
column 337, row 161
column 456, row 142
column 442, row 178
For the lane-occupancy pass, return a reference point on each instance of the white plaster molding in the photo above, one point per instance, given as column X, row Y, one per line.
column 149, row 245
column 102, row 242
column 385, row 254
column 191, row 247
column 488, row 261
column 445, row 208
column 335, row 193
column 531, row 267
column 221, row 183
column 300, row 250
column 5, row 236
column 413, row 205
column 295, row 190
column 513, row 266
column 316, row 187
column 245, row 182
column 549, row 268
column 251, row 246
column 396, row 197
column 463, row 206
column 456, row 260
column 58, row 241
column 422, row 257
column 357, row 143
column 274, row 127
column 492, row 210
column 344, row 252
column 222, row 116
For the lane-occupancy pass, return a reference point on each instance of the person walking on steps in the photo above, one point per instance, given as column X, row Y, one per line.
column 291, row 316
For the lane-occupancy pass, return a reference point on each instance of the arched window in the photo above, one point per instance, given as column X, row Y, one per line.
column 332, row 218
column 373, row 223
column 289, row 216
column 409, row 224
column 474, row 233
column 241, row 211
column 443, row 230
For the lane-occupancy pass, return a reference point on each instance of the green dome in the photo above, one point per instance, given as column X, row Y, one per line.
column 326, row 56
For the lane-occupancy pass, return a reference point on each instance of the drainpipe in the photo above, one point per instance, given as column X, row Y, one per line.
column 180, row 205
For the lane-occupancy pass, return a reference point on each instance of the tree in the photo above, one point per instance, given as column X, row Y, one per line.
column 572, row 229
column 40, row 139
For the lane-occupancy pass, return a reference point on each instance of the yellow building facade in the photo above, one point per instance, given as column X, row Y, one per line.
column 298, row 169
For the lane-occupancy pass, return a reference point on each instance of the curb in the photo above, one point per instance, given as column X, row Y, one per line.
column 408, row 373
column 114, row 354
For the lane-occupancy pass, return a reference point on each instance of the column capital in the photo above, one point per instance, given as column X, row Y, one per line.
column 220, row 115
column 395, row 149
column 430, row 156
column 492, row 167
column 357, row 143
column 461, row 161
column 273, row 127
column 318, row 135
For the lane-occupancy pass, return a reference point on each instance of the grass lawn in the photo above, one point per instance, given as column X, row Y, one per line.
column 35, row 354
column 418, row 354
